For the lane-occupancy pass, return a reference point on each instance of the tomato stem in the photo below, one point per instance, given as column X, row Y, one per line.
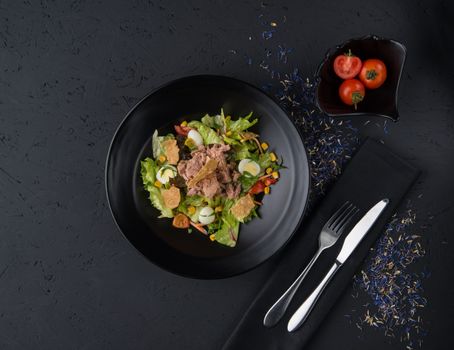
column 371, row 74
column 357, row 97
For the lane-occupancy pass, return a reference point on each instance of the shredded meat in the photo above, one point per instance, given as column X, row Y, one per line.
column 232, row 190
column 217, row 151
column 208, row 187
column 188, row 168
column 223, row 181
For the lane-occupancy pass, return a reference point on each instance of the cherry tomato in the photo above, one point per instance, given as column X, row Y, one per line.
column 257, row 188
column 347, row 66
column 180, row 221
column 182, row 130
column 352, row 92
column 373, row 74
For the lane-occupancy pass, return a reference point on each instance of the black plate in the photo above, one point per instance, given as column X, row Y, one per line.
column 382, row 101
column 193, row 254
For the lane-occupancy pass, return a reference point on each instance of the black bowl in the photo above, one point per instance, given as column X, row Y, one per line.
column 381, row 101
column 193, row 254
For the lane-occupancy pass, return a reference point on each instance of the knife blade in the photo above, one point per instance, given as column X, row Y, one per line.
column 359, row 231
column 352, row 240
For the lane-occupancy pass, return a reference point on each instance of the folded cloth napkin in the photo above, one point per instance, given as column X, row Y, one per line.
column 373, row 174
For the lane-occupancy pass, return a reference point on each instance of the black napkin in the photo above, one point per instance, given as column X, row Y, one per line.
column 373, row 174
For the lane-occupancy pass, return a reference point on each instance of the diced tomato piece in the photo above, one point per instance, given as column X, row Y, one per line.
column 182, row 130
column 258, row 187
column 269, row 181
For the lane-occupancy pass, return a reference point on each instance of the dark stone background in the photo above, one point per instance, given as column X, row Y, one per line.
column 70, row 70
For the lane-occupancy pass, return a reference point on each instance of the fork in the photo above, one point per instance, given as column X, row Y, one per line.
column 331, row 231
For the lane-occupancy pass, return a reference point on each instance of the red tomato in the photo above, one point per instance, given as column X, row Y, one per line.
column 373, row 74
column 347, row 66
column 269, row 181
column 352, row 92
column 182, row 130
column 257, row 188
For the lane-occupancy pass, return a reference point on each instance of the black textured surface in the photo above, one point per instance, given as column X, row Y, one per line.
column 69, row 73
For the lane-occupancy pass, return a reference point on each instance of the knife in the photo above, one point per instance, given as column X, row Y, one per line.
column 350, row 243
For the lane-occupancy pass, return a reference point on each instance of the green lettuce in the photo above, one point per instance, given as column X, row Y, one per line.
column 247, row 181
column 196, row 201
column 241, row 124
column 264, row 160
column 215, row 201
column 231, row 141
column 148, row 171
column 241, row 151
column 156, row 143
column 228, row 233
column 215, row 122
column 209, row 136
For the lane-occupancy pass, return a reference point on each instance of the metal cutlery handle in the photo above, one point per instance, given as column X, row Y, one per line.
column 306, row 307
column 276, row 311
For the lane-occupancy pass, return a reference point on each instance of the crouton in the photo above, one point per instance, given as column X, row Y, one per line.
column 171, row 151
column 242, row 208
column 171, row 197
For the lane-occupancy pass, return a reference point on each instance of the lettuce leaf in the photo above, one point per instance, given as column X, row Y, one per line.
column 148, row 171
column 209, row 136
column 194, row 124
column 215, row 122
column 196, row 201
column 228, row 233
column 264, row 160
column 241, row 151
column 247, row 181
column 156, row 143
column 241, row 124
column 195, row 217
column 183, row 208
column 215, row 201
column 230, row 140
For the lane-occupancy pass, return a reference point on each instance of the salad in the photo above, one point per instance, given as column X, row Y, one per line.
column 210, row 175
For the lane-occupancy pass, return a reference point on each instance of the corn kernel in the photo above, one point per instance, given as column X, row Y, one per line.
column 275, row 174
column 228, row 133
column 218, row 209
column 189, row 143
column 269, row 171
column 162, row 158
column 213, row 237
column 273, row 157
column 157, row 184
column 264, row 146
column 266, row 190
column 191, row 210
column 184, row 123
